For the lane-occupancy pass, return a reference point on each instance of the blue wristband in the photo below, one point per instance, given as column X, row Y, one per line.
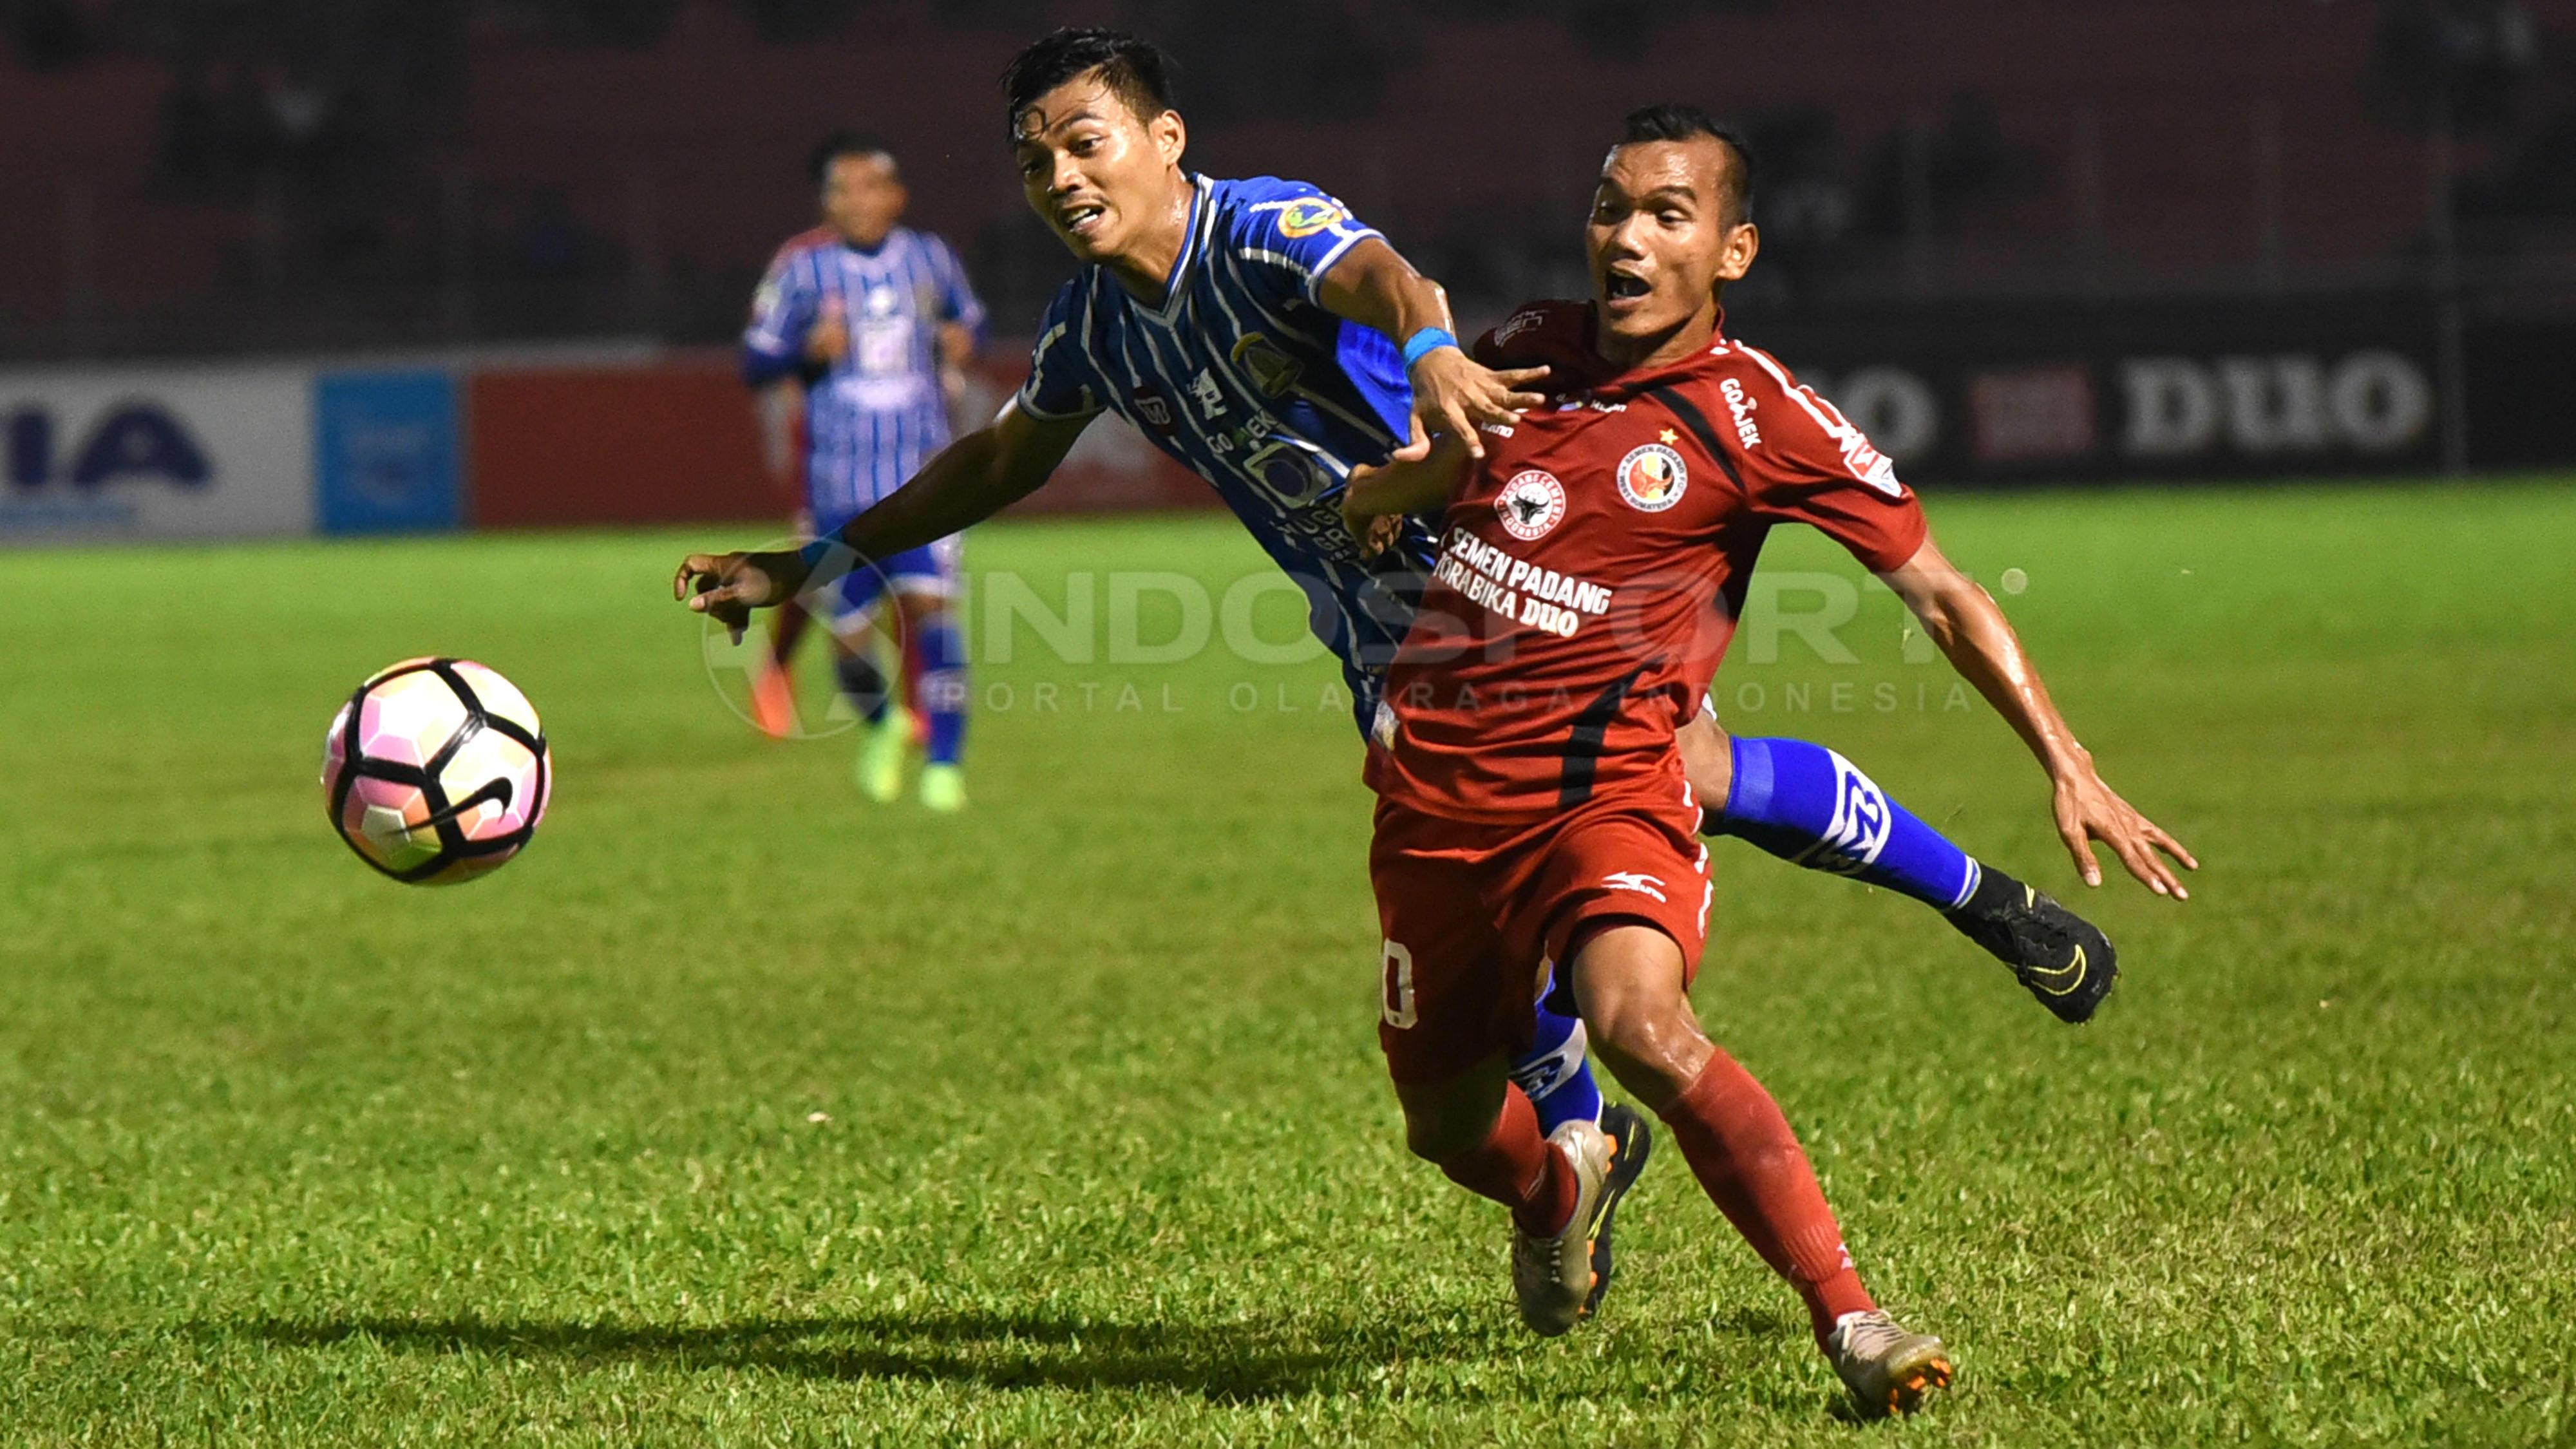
column 1427, row 340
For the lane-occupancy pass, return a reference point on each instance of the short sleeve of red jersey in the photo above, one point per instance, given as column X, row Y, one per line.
column 1804, row 462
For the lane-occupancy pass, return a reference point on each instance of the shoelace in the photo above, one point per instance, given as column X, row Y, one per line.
column 1867, row 1335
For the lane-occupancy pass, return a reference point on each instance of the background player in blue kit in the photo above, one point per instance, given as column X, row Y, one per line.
column 875, row 318
column 1248, row 328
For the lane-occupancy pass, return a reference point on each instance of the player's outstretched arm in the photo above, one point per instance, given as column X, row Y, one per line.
column 1452, row 392
column 1970, row 628
column 969, row 481
column 1416, row 478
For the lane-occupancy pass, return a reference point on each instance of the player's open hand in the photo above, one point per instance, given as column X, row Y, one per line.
column 728, row 586
column 1455, row 394
column 2088, row 810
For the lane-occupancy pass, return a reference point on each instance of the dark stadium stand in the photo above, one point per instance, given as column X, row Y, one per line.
column 556, row 189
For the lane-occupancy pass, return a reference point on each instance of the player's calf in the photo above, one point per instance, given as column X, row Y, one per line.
column 862, row 683
column 1445, row 1119
column 1630, row 979
column 1479, row 1129
column 939, row 647
column 881, row 738
column 1811, row 807
column 943, row 684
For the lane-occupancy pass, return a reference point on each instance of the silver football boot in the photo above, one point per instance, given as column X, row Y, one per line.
column 1552, row 1276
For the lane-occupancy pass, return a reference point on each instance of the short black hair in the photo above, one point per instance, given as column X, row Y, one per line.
column 1673, row 121
column 818, row 162
column 1133, row 67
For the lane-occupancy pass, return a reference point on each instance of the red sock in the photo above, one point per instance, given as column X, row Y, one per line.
column 1516, row 1167
column 1742, row 1151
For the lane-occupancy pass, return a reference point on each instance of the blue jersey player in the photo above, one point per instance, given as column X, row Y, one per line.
column 873, row 318
column 1260, row 333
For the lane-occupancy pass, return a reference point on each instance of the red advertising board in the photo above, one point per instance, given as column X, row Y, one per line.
column 672, row 442
column 676, row 441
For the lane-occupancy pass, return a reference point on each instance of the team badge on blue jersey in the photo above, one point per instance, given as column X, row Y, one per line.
column 1271, row 370
column 1305, row 217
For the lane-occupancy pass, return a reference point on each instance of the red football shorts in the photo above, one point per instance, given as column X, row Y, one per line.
column 1474, row 915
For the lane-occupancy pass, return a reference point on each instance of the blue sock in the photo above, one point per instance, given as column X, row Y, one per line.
column 1555, row 1074
column 1811, row 807
column 943, row 685
column 862, row 683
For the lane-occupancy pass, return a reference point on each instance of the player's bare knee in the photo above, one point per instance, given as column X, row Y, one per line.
column 1628, row 985
column 1708, row 759
column 1658, row 1067
column 1626, row 974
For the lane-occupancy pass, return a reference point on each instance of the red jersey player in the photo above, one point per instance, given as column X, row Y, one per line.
column 1535, row 828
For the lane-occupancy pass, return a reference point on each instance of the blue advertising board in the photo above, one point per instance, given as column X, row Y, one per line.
column 387, row 452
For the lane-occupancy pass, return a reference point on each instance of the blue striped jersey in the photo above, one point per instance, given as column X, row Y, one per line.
column 876, row 415
column 1241, row 374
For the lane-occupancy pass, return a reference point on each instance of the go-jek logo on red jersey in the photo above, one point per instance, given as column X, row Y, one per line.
column 1652, row 478
column 1742, row 406
column 1531, row 504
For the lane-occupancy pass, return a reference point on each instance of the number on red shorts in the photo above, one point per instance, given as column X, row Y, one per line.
column 1395, row 993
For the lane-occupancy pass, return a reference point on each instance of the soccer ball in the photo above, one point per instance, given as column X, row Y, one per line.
column 436, row 771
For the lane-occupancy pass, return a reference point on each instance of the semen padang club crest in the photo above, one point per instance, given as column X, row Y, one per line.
column 1532, row 503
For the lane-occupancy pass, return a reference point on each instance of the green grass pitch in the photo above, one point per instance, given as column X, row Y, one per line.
column 738, row 1111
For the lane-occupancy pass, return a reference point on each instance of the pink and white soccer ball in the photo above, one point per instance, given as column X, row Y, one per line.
column 436, row 771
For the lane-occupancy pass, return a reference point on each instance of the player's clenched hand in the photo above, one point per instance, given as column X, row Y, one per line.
column 2088, row 810
column 829, row 341
column 1371, row 518
column 1455, row 394
column 728, row 586
column 1375, row 532
column 1416, row 479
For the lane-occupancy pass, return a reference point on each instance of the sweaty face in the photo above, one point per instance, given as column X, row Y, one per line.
column 1092, row 169
column 862, row 197
column 1659, row 241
